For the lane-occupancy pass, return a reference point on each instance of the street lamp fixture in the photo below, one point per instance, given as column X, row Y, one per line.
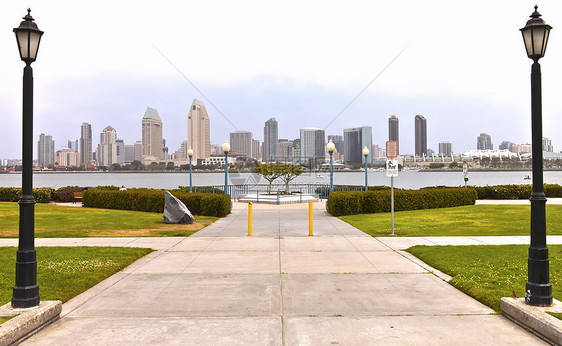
column 331, row 147
column 190, row 154
column 538, row 290
column 366, row 153
column 26, row 290
column 225, row 150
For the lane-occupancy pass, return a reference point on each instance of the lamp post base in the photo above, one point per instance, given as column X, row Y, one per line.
column 542, row 294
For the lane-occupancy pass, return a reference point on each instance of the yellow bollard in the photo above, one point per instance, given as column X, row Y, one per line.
column 310, row 219
column 249, row 219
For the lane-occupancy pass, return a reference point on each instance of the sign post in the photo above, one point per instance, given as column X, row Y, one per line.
column 392, row 171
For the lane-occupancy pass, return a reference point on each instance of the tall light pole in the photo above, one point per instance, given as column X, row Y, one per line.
column 538, row 290
column 366, row 153
column 331, row 147
column 225, row 150
column 190, row 154
column 26, row 291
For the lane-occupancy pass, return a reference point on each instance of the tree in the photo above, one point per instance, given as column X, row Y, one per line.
column 269, row 172
column 453, row 165
column 170, row 166
column 137, row 165
column 115, row 167
column 288, row 172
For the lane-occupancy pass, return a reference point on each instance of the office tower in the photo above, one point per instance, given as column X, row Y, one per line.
column 151, row 134
column 355, row 139
column 138, row 151
column 376, row 152
column 67, row 157
column 256, row 149
column 285, row 151
column 85, row 144
column 129, row 153
column 547, row 145
column 241, row 142
column 484, row 142
column 119, row 152
column 199, row 131
column 182, row 152
column 107, row 149
column 45, row 150
column 507, row 145
column 338, row 142
column 445, row 148
column 270, row 137
column 394, row 131
column 312, row 145
column 73, row 145
column 420, row 130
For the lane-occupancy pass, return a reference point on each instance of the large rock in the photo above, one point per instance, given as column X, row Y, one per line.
column 175, row 211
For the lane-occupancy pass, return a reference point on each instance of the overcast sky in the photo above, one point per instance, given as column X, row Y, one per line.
column 463, row 67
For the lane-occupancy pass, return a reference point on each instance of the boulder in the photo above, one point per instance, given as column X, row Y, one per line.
column 175, row 211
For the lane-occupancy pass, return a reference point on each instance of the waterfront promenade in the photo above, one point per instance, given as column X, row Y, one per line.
column 278, row 287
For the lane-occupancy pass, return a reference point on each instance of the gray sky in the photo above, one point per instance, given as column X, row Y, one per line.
column 464, row 68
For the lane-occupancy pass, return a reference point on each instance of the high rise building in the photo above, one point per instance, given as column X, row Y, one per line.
column 338, row 142
column 484, row 142
column 164, row 150
column 547, row 145
column 394, row 131
column 285, row 151
column 507, row 145
column 45, row 150
column 67, row 157
column 270, row 137
column 151, row 133
column 256, row 149
column 420, row 135
column 73, row 145
column 85, row 144
column 129, row 153
column 119, row 151
column 107, row 149
column 241, row 142
column 312, row 145
column 199, row 131
column 355, row 139
column 138, row 151
column 445, row 148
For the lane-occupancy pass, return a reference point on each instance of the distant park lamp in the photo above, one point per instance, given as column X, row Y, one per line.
column 366, row 153
column 225, row 150
column 190, row 154
column 331, row 147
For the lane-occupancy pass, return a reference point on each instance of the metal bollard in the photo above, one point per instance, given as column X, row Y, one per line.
column 310, row 222
column 277, row 197
column 249, row 219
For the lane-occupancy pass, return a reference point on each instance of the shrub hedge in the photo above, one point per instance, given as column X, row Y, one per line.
column 366, row 202
column 12, row 194
column 515, row 191
column 152, row 200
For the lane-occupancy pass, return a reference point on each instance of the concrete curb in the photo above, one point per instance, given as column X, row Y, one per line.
column 28, row 321
column 535, row 318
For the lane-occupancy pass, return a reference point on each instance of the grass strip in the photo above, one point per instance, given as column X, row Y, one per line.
column 55, row 221
column 473, row 220
column 64, row 272
column 489, row 272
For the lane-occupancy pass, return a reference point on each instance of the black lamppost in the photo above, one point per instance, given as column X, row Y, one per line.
column 26, row 291
column 538, row 290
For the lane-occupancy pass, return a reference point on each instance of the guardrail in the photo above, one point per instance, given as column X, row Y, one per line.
column 239, row 190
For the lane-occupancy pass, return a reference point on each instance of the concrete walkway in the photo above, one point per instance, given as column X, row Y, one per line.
column 278, row 287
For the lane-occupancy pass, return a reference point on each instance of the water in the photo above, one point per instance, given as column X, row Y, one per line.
column 407, row 179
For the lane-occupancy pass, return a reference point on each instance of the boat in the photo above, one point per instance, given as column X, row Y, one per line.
column 527, row 177
column 319, row 176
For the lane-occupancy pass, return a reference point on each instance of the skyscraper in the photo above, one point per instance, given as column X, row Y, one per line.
column 119, row 151
column 547, row 145
column 241, row 142
column 151, row 133
column 445, row 148
column 85, row 144
column 256, row 149
column 355, row 139
column 270, row 137
column 199, row 130
column 338, row 142
column 312, row 145
column 107, row 149
column 73, row 145
column 420, row 135
column 394, row 131
column 484, row 142
column 45, row 150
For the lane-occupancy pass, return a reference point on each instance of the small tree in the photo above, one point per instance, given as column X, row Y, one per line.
column 269, row 172
column 287, row 173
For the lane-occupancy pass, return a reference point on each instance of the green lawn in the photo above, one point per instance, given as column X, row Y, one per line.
column 489, row 272
column 473, row 220
column 55, row 221
column 64, row 272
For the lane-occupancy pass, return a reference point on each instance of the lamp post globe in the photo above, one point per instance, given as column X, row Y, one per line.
column 225, row 150
column 538, row 290
column 366, row 153
column 26, row 290
column 331, row 147
column 190, row 154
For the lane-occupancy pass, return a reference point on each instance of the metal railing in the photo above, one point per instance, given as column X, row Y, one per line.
column 240, row 190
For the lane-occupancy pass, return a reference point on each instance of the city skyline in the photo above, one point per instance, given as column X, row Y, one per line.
column 462, row 91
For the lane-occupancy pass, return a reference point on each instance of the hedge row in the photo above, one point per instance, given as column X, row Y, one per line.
column 12, row 194
column 366, row 202
column 515, row 191
column 152, row 200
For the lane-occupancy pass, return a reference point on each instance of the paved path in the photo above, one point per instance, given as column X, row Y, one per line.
column 278, row 287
